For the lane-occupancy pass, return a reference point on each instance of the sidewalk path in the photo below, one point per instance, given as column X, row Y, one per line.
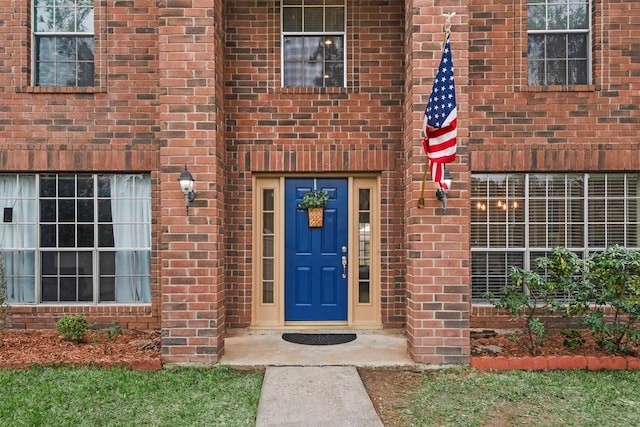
column 315, row 396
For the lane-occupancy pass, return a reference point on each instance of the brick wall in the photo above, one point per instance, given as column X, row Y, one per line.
column 192, row 250
column 108, row 128
column 514, row 127
column 198, row 83
column 294, row 130
column 437, row 257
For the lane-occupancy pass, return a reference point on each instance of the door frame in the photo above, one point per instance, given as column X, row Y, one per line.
column 267, row 308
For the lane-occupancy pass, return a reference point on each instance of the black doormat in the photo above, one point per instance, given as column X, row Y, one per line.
column 319, row 339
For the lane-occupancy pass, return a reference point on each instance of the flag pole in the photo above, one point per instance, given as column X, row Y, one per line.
column 446, row 30
column 424, row 179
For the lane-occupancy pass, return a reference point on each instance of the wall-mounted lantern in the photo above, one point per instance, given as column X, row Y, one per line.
column 441, row 192
column 186, row 185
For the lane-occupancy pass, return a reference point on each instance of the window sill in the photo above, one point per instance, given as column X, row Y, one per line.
column 78, row 304
column 557, row 88
column 60, row 89
column 315, row 90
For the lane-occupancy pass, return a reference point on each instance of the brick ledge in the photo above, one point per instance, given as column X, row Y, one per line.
column 540, row 363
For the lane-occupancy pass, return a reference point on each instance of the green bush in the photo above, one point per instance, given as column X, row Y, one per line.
column 556, row 274
column 73, row 327
column 572, row 338
column 314, row 199
column 113, row 330
column 609, row 299
column 604, row 291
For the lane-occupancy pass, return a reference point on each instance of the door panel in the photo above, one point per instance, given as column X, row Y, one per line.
column 314, row 287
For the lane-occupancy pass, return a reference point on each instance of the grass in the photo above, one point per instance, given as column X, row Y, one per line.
column 69, row 396
column 220, row 396
column 467, row 397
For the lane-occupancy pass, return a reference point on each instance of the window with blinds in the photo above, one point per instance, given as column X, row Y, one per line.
column 516, row 218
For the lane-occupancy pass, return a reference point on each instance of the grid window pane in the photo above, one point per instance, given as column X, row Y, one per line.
column 64, row 40
column 528, row 215
column 364, row 246
column 119, row 238
column 313, row 48
column 558, row 42
column 268, row 249
column 292, row 19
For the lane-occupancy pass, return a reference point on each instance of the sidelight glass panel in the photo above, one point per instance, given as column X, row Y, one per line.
column 268, row 250
column 364, row 246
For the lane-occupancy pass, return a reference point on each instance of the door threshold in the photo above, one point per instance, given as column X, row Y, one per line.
column 316, row 329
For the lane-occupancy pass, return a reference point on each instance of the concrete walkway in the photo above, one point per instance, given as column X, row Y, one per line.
column 315, row 386
column 315, row 397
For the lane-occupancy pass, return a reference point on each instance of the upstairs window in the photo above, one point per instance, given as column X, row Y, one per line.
column 559, row 42
column 313, row 43
column 63, row 43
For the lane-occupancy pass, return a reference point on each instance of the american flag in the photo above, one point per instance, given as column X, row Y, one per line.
column 440, row 119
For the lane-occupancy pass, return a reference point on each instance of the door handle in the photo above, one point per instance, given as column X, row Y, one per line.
column 344, row 267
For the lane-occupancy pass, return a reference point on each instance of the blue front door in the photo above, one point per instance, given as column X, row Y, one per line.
column 315, row 280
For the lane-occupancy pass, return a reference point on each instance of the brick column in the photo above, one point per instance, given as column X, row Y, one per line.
column 191, row 43
column 438, row 256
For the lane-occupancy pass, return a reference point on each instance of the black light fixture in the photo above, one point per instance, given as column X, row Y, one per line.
column 441, row 193
column 186, row 185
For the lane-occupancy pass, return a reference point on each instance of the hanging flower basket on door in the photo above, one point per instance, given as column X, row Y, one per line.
column 315, row 217
column 314, row 202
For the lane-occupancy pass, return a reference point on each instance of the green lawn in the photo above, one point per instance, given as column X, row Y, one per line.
column 467, row 397
column 220, row 396
column 215, row 396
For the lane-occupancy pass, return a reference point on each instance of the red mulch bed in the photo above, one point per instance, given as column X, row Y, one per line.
column 553, row 346
column 509, row 354
column 134, row 349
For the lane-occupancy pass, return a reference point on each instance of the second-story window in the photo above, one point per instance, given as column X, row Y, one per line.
column 313, row 43
column 63, row 43
column 559, row 42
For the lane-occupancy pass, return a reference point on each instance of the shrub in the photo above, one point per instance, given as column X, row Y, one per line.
column 72, row 327
column 572, row 338
column 555, row 275
column 113, row 330
column 610, row 298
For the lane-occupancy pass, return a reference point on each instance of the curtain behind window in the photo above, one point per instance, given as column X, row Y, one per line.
column 131, row 210
column 18, row 238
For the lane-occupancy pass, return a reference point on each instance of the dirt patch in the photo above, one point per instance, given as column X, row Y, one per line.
column 390, row 391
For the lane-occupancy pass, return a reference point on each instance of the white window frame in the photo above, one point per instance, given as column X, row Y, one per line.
column 303, row 33
column 33, row 221
column 565, row 31
column 35, row 35
column 484, row 246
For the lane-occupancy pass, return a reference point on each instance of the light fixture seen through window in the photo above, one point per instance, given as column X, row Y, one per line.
column 186, row 185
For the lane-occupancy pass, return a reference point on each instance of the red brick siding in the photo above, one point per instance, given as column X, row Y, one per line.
column 191, row 35
column 517, row 128
column 108, row 128
column 293, row 130
column 437, row 256
column 592, row 128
